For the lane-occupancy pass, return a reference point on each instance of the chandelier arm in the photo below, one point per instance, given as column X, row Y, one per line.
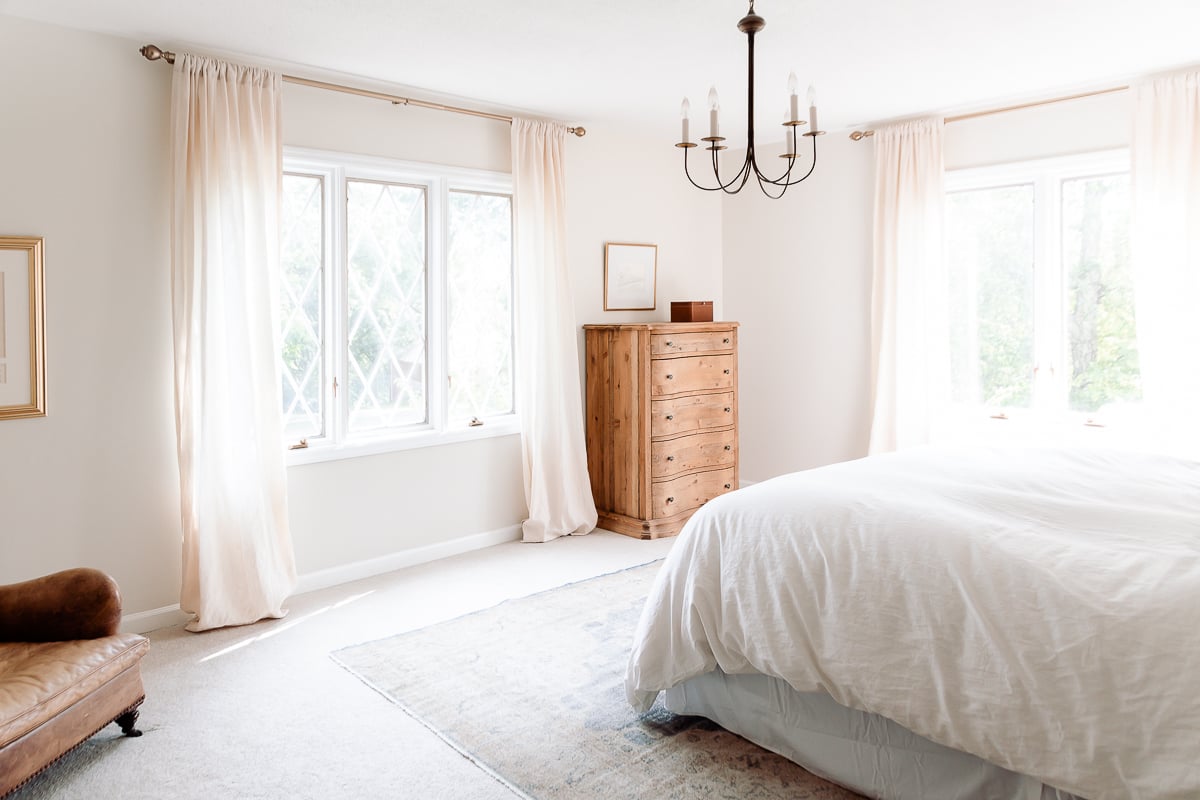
column 785, row 179
column 763, row 183
column 744, row 174
column 720, row 187
column 740, row 178
column 811, row 166
column 692, row 180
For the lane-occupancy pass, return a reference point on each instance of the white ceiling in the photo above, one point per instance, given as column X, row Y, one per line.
column 592, row 61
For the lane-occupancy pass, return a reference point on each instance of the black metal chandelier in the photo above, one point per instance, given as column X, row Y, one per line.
column 751, row 24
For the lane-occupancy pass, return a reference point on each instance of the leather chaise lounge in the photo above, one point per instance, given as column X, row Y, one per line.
column 65, row 672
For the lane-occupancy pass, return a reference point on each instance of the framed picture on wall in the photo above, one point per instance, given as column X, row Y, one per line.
column 22, row 328
column 630, row 271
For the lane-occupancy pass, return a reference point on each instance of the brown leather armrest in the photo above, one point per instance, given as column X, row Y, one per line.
column 73, row 604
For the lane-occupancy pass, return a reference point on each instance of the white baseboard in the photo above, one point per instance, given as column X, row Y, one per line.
column 145, row 621
column 334, row 576
column 155, row 618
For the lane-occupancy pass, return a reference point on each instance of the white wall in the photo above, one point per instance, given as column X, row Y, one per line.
column 83, row 149
column 797, row 277
column 631, row 188
column 83, row 154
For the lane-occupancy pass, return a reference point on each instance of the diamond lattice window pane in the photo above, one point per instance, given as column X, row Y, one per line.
column 480, row 284
column 302, row 307
column 386, row 304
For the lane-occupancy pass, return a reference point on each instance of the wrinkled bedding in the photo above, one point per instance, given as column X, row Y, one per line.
column 1037, row 608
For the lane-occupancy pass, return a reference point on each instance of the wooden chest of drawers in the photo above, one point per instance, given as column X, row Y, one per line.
column 661, row 422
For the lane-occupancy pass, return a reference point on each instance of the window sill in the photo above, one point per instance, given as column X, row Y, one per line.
column 412, row 440
column 1123, row 428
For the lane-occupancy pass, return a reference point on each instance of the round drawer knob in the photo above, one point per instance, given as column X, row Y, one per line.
column 726, row 372
column 670, row 343
column 672, row 416
column 727, row 410
column 723, row 341
column 672, row 458
column 670, row 377
column 729, row 486
column 670, row 499
column 728, row 447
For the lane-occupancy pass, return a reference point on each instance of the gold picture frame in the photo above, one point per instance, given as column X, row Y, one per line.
column 630, row 276
column 22, row 328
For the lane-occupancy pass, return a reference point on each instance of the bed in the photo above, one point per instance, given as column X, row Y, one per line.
column 946, row 622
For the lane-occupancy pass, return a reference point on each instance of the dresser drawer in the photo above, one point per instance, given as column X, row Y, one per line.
column 699, row 342
column 691, row 374
column 687, row 414
column 687, row 453
column 689, row 491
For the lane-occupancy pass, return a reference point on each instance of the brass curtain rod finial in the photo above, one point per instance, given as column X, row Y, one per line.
column 860, row 135
column 153, row 52
column 578, row 130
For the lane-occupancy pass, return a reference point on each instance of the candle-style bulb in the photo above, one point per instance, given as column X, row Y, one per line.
column 714, row 108
column 812, row 95
column 793, row 100
column 685, row 108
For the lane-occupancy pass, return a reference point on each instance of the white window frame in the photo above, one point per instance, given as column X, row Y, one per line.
column 1051, row 382
column 438, row 181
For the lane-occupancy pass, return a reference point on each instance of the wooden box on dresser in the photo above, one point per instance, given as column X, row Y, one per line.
column 662, row 434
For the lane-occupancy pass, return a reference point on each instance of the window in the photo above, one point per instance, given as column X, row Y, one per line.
column 1041, row 287
column 396, row 304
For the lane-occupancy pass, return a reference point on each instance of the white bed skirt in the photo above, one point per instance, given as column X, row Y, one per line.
column 865, row 752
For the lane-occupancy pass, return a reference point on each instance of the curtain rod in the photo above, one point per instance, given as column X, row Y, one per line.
column 153, row 52
column 859, row 135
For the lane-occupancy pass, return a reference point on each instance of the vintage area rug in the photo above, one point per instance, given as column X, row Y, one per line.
column 532, row 691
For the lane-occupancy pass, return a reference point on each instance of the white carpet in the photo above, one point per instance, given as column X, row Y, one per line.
column 263, row 712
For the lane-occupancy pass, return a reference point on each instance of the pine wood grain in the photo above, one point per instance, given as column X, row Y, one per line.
column 661, row 421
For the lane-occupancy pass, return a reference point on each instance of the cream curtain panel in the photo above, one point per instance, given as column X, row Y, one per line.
column 227, row 165
column 1165, row 171
column 549, row 397
column 910, row 349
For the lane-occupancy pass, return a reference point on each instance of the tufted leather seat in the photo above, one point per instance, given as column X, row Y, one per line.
column 65, row 672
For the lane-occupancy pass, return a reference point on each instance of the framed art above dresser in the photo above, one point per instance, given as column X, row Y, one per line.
column 662, row 431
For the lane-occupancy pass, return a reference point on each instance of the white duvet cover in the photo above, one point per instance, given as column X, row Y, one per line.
column 1039, row 609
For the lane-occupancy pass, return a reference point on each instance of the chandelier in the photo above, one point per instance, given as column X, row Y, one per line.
column 751, row 24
